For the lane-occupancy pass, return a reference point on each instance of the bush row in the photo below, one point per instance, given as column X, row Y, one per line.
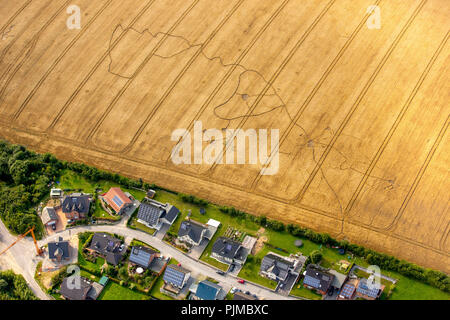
column 432, row 277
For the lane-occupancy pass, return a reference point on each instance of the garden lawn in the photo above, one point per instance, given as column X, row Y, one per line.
column 87, row 264
column 114, row 291
column 299, row 291
column 405, row 288
column 155, row 291
column 72, row 180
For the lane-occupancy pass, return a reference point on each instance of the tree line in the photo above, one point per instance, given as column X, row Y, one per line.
column 434, row 278
column 25, row 179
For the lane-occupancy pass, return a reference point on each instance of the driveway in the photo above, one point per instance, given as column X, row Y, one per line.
column 25, row 257
column 196, row 251
column 162, row 232
column 185, row 260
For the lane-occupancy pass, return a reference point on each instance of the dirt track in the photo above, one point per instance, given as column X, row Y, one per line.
column 363, row 114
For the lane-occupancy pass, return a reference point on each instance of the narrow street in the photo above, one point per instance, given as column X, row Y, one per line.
column 25, row 256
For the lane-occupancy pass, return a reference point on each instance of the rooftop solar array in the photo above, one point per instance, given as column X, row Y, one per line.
column 347, row 291
column 173, row 276
column 312, row 282
column 150, row 213
column 140, row 257
column 118, row 201
column 365, row 289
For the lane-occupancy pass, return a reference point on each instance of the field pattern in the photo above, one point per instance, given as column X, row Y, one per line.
column 363, row 113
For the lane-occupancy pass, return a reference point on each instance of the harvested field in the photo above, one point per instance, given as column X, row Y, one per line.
column 362, row 113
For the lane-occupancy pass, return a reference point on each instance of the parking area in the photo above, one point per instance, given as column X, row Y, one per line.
column 197, row 251
column 60, row 224
column 285, row 287
column 162, row 232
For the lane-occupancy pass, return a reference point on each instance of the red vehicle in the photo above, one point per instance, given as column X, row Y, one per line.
column 241, row 281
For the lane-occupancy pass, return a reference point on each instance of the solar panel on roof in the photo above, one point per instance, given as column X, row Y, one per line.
column 228, row 246
column 311, row 282
column 140, row 257
column 173, row 276
column 118, row 201
column 347, row 290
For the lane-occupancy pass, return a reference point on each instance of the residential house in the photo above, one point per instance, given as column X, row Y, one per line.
column 368, row 289
column 49, row 216
column 278, row 268
column 142, row 256
column 58, row 251
column 207, row 290
column 76, row 206
column 348, row 290
column 154, row 214
column 175, row 278
column 339, row 280
column 107, row 247
column 117, row 200
column 317, row 280
column 228, row 251
column 86, row 290
column 192, row 232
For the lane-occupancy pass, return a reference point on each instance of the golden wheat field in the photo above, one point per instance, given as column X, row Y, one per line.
column 362, row 113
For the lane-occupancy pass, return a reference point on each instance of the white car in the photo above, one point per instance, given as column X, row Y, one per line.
column 233, row 290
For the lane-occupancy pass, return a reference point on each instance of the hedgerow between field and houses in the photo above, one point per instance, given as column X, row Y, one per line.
column 26, row 177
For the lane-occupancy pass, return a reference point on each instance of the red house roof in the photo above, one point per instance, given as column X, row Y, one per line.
column 116, row 199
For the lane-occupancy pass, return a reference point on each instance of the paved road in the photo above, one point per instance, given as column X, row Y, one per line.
column 25, row 256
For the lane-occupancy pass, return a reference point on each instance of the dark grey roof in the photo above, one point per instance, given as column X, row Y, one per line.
column 76, row 202
column 192, row 229
column 171, row 213
column 227, row 248
column 58, row 248
column 276, row 265
column 107, row 246
column 74, row 293
column 142, row 256
column 175, row 275
column 318, row 279
column 152, row 211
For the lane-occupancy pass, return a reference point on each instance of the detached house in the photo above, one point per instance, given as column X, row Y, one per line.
column 117, row 200
column 228, row 251
column 86, row 290
column 175, row 278
column 142, row 256
column 192, row 232
column 76, row 206
column 207, row 290
column 58, row 251
column 49, row 216
column 107, row 247
column 317, row 280
column 154, row 214
column 368, row 289
column 278, row 268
